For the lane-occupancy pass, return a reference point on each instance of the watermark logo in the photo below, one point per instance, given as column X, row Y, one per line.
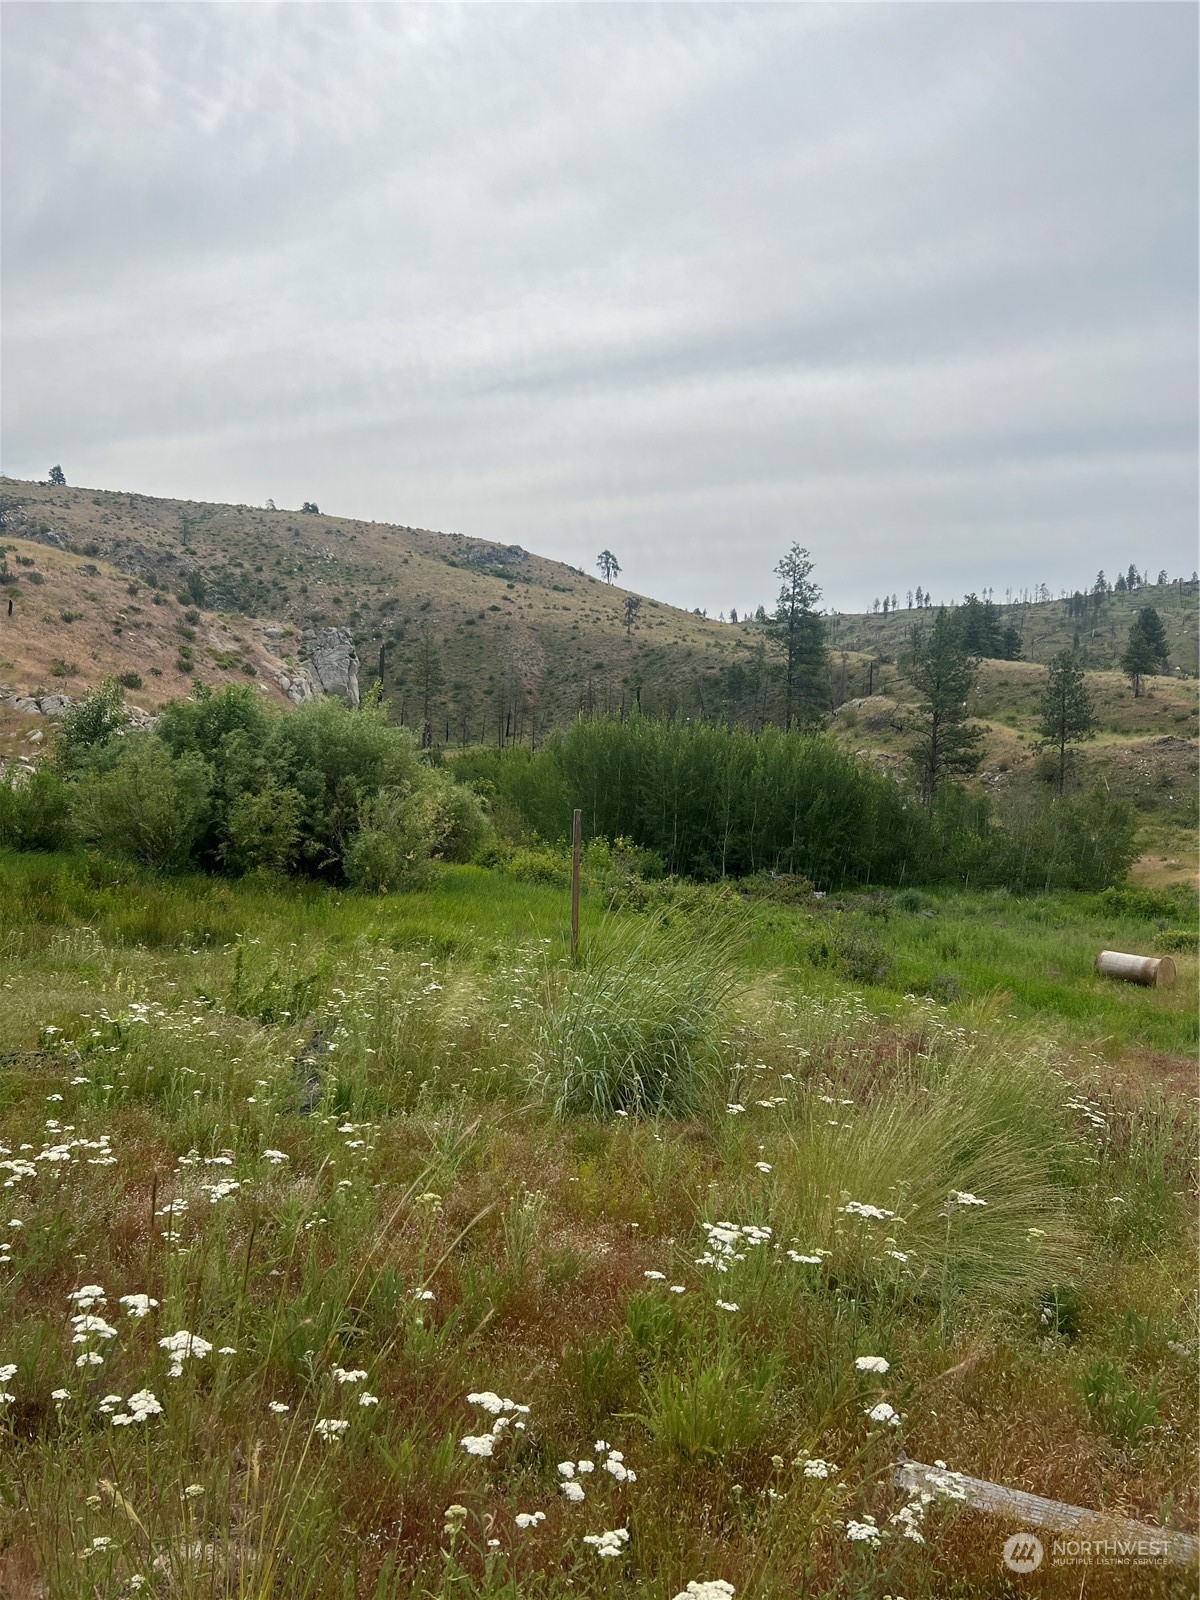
column 1023, row 1552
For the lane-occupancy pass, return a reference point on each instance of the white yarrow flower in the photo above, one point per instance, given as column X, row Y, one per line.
column 872, row 1364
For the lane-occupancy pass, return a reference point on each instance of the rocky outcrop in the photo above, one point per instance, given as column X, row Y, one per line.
column 331, row 663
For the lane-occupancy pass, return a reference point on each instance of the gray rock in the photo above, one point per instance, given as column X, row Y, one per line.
column 53, row 705
column 332, row 663
column 22, row 702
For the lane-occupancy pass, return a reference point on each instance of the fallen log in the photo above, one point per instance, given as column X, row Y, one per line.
column 1152, row 971
column 1033, row 1511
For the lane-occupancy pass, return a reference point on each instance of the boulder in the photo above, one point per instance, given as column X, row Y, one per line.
column 23, row 703
column 331, row 663
column 53, row 705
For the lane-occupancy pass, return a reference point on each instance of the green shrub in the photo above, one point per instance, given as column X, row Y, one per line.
column 263, row 830
column 35, row 811
column 145, row 807
column 90, row 725
column 398, row 833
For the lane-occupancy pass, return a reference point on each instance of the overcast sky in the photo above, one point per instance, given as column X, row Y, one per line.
column 914, row 286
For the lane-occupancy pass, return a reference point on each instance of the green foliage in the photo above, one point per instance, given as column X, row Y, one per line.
column 263, row 829
column 709, row 1409
column 717, row 802
column 1119, row 1405
column 90, row 725
column 638, row 1026
column 800, row 629
column 943, row 671
column 1066, row 713
column 145, row 807
column 35, row 811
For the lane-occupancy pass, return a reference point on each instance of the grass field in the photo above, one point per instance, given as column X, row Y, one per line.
column 910, row 1158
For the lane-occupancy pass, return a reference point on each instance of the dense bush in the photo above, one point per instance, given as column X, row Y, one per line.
column 233, row 785
column 714, row 802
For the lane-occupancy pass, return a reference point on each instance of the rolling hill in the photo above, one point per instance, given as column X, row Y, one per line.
column 493, row 643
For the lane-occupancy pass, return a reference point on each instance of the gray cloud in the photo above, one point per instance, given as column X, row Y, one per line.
column 913, row 285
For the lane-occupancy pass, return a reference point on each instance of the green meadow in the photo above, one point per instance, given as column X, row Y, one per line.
column 366, row 1246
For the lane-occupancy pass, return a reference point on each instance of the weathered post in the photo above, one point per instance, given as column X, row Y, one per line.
column 576, row 838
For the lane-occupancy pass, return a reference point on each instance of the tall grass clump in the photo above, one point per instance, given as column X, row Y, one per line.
column 637, row 1027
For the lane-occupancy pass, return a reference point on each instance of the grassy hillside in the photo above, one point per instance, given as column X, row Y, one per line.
column 508, row 641
column 505, row 645
column 1047, row 626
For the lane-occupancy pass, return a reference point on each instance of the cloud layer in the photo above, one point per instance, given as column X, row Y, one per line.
column 915, row 286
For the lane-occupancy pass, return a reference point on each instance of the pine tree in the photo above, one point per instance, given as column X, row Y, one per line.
column 800, row 630
column 1066, row 712
column 610, row 567
column 944, row 672
column 1149, row 621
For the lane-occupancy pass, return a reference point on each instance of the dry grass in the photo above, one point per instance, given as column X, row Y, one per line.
column 534, row 1235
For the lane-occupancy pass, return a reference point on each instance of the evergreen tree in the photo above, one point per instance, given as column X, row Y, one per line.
column 980, row 625
column 1010, row 644
column 58, row 477
column 944, row 671
column 801, row 631
column 610, row 567
column 1066, row 712
column 1149, row 621
column 1146, row 651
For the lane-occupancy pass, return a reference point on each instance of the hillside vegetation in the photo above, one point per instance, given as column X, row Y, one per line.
column 483, row 643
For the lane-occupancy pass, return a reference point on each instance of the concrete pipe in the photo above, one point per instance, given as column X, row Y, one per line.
column 1152, row 971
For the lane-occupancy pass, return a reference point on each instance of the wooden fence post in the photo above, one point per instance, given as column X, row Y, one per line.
column 576, row 838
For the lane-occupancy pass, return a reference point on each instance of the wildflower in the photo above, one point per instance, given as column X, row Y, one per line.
column 600, row 1446
column 330, row 1428
column 727, row 1305
column 610, row 1543
column 179, row 1346
column 455, row 1516
column 803, row 1261
column 734, row 1110
column 8, row 1371
column 658, row 1277
column 88, row 1327
column 529, row 1519
column 279, row 1407
column 763, row 1166
column 275, row 1157
column 354, row 1375
column 89, row 1359
column 60, row 1395
column 573, row 1490
column 859, row 1208
column 566, row 1469
column 227, row 1350
column 193, row 1491
column 493, row 1404
column 872, row 1364
column 962, row 1198
column 138, row 1305
column 615, row 1464
column 366, row 1399
column 707, row 1589
column 864, row 1532
column 814, row 1467
column 144, row 1404
column 90, row 1295
column 897, row 1255
column 101, row 1542
column 882, row 1412
column 110, row 1403
column 678, row 1288
column 481, row 1444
